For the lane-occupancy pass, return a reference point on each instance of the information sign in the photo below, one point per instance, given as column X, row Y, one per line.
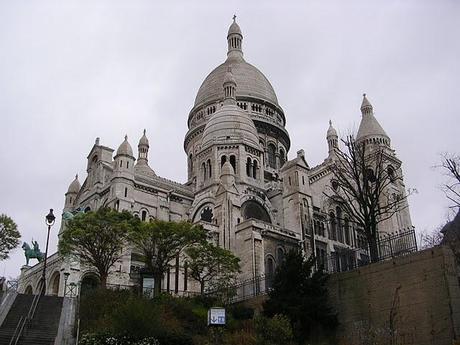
column 216, row 317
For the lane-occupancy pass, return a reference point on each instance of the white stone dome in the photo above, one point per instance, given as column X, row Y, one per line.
column 125, row 148
column 251, row 83
column 234, row 29
column 144, row 140
column 230, row 124
column 75, row 186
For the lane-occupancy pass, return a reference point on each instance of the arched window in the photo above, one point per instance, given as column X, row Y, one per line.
column 333, row 227
column 339, row 225
column 282, row 158
column 280, row 255
column 346, row 226
column 253, row 210
column 391, row 173
column 233, row 162
column 209, row 168
column 190, row 164
column 206, row 214
column 271, row 151
column 223, row 159
column 254, row 169
column 144, row 215
column 203, row 171
column 269, row 270
column 370, row 175
column 248, row 167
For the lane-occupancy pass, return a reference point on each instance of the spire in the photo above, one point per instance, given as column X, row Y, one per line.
column 366, row 106
column 370, row 128
column 332, row 138
column 229, row 86
column 143, row 149
column 235, row 40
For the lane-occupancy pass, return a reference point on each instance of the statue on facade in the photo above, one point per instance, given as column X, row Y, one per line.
column 32, row 253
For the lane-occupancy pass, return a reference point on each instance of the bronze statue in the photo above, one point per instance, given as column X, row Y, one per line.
column 34, row 253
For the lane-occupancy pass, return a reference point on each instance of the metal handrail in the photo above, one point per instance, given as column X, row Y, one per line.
column 18, row 326
column 78, row 332
column 26, row 320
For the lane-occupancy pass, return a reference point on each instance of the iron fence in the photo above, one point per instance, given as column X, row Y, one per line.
column 397, row 243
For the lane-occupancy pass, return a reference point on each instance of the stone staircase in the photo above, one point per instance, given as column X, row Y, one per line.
column 42, row 329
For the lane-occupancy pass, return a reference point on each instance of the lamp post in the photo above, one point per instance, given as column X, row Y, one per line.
column 49, row 220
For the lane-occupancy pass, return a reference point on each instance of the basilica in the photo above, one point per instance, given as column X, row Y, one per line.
column 244, row 186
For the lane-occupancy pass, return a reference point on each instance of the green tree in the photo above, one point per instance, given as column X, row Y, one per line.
column 208, row 263
column 97, row 238
column 161, row 242
column 302, row 297
column 9, row 236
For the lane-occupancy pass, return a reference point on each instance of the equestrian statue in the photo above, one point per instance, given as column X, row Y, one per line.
column 34, row 253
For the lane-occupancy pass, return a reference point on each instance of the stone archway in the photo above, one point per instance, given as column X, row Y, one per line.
column 29, row 290
column 54, row 284
column 89, row 282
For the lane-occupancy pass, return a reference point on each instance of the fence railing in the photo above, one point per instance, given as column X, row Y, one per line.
column 397, row 244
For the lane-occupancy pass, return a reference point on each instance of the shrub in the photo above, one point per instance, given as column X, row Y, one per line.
column 274, row 331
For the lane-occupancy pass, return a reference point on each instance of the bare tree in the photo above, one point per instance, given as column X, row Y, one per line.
column 362, row 175
column 450, row 165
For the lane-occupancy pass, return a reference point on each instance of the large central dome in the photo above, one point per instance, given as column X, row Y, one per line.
column 251, row 82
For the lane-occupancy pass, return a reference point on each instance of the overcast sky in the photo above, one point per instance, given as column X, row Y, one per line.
column 71, row 71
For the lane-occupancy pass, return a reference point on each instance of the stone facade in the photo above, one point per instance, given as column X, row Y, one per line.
column 241, row 185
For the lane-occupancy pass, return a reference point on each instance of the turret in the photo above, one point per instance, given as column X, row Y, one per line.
column 229, row 85
column 235, row 40
column 71, row 194
column 370, row 131
column 123, row 176
column 332, row 139
column 143, row 150
column 124, row 159
column 142, row 165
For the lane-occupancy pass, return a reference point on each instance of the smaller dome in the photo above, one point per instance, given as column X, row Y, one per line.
column 125, row 148
column 227, row 169
column 331, row 132
column 144, row 141
column 230, row 124
column 75, row 186
column 234, row 28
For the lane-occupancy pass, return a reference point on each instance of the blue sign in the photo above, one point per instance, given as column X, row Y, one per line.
column 216, row 317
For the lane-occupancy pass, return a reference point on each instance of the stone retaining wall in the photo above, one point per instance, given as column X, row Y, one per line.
column 410, row 300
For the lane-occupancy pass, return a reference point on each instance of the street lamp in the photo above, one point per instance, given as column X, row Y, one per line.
column 49, row 220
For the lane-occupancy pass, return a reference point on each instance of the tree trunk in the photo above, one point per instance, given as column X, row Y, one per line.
column 202, row 288
column 103, row 277
column 157, row 284
column 373, row 249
